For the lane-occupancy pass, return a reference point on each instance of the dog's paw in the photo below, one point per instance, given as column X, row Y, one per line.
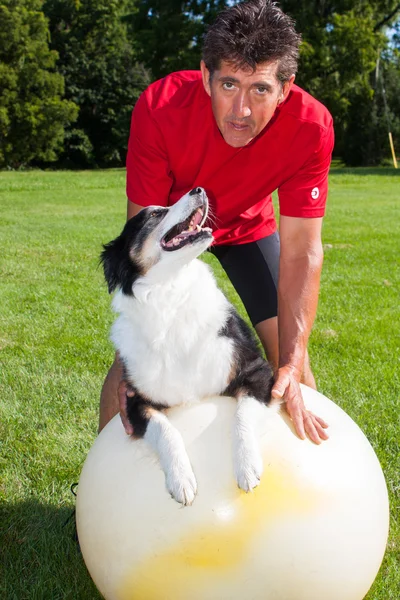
column 248, row 468
column 181, row 482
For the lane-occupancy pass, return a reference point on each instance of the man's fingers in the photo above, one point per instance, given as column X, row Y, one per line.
column 307, row 424
column 321, row 431
column 297, row 417
column 279, row 388
column 320, row 426
column 125, row 391
column 320, row 421
column 315, row 430
column 126, row 423
column 311, row 429
column 277, row 393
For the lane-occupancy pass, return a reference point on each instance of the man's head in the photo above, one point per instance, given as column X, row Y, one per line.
column 250, row 57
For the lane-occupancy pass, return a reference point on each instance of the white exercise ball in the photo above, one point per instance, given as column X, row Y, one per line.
column 315, row 529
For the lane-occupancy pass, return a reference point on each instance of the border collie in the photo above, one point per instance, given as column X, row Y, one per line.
column 179, row 338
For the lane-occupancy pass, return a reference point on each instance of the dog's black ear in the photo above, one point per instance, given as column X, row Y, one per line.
column 112, row 259
column 121, row 269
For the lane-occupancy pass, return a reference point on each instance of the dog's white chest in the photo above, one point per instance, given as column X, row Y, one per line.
column 171, row 342
column 172, row 376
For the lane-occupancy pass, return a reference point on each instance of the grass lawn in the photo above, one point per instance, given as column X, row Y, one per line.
column 54, row 352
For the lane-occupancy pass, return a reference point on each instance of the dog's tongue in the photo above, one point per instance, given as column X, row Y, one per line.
column 184, row 234
column 198, row 217
column 194, row 229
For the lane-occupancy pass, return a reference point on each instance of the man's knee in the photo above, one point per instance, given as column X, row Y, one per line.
column 114, row 374
column 109, row 404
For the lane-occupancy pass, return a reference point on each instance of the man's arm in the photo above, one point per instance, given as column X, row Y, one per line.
column 132, row 209
column 299, row 277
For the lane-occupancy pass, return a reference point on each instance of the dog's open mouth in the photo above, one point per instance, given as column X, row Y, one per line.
column 186, row 232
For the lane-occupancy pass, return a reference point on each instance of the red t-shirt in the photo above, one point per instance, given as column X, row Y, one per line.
column 175, row 145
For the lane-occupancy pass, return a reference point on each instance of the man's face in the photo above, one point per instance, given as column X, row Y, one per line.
column 244, row 101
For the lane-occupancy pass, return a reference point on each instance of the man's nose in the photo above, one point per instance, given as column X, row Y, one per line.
column 241, row 108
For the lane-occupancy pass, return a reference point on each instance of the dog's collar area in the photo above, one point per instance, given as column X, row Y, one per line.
column 186, row 232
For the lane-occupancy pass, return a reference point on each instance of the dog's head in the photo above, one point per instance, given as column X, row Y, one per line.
column 158, row 239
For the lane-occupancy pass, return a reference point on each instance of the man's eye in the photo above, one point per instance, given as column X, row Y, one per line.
column 262, row 90
column 228, row 85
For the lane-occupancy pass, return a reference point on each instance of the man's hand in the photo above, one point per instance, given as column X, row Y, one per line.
column 125, row 391
column 287, row 388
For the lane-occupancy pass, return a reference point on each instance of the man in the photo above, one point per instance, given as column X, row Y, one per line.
column 241, row 129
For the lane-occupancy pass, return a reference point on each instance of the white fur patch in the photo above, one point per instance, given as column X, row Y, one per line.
column 167, row 336
column 167, row 442
column 247, row 461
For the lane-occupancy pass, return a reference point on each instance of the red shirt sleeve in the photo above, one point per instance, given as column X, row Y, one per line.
column 305, row 193
column 148, row 178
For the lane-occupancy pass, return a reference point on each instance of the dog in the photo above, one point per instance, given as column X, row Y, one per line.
column 179, row 339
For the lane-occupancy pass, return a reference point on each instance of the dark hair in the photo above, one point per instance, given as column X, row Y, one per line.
column 250, row 33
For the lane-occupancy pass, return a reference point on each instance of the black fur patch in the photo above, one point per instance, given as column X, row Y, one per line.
column 120, row 269
column 137, row 407
column 253, row 373
column 138, row 411
column 137, row 415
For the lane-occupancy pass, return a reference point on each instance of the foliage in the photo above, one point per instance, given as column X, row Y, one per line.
column 33, row 114
column 102, row 76
column 390, row 86
column 342, row 41
column 168, row 35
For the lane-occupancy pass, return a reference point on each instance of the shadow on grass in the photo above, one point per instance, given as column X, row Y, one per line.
column 39, row 556
column 387, row 171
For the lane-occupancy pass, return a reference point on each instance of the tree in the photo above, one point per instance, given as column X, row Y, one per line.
column 102, row 76
column 387, row 96
column 168, row 35
column 342, row 40
column 32, row 112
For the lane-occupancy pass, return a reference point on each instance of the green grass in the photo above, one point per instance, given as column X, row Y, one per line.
column 54, row 352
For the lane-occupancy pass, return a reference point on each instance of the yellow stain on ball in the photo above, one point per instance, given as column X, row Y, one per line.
column 193, row 560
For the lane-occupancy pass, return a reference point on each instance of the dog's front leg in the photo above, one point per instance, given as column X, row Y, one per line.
column 247, row 460
column 167, row 442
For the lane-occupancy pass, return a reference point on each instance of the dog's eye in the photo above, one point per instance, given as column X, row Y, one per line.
column 154, row 213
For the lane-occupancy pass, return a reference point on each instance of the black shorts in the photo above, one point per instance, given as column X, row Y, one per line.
column 253, row 270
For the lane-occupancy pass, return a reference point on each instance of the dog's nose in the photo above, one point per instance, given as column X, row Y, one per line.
column 195, row 191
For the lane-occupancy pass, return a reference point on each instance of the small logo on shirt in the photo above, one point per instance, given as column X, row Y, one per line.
column 315, row 193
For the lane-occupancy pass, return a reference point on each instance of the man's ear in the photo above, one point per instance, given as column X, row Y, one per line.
column 286, row 87
column 205, row 73
column 111, row 259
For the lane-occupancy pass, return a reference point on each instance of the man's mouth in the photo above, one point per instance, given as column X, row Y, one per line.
column 238, row 126
column 187, row 232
